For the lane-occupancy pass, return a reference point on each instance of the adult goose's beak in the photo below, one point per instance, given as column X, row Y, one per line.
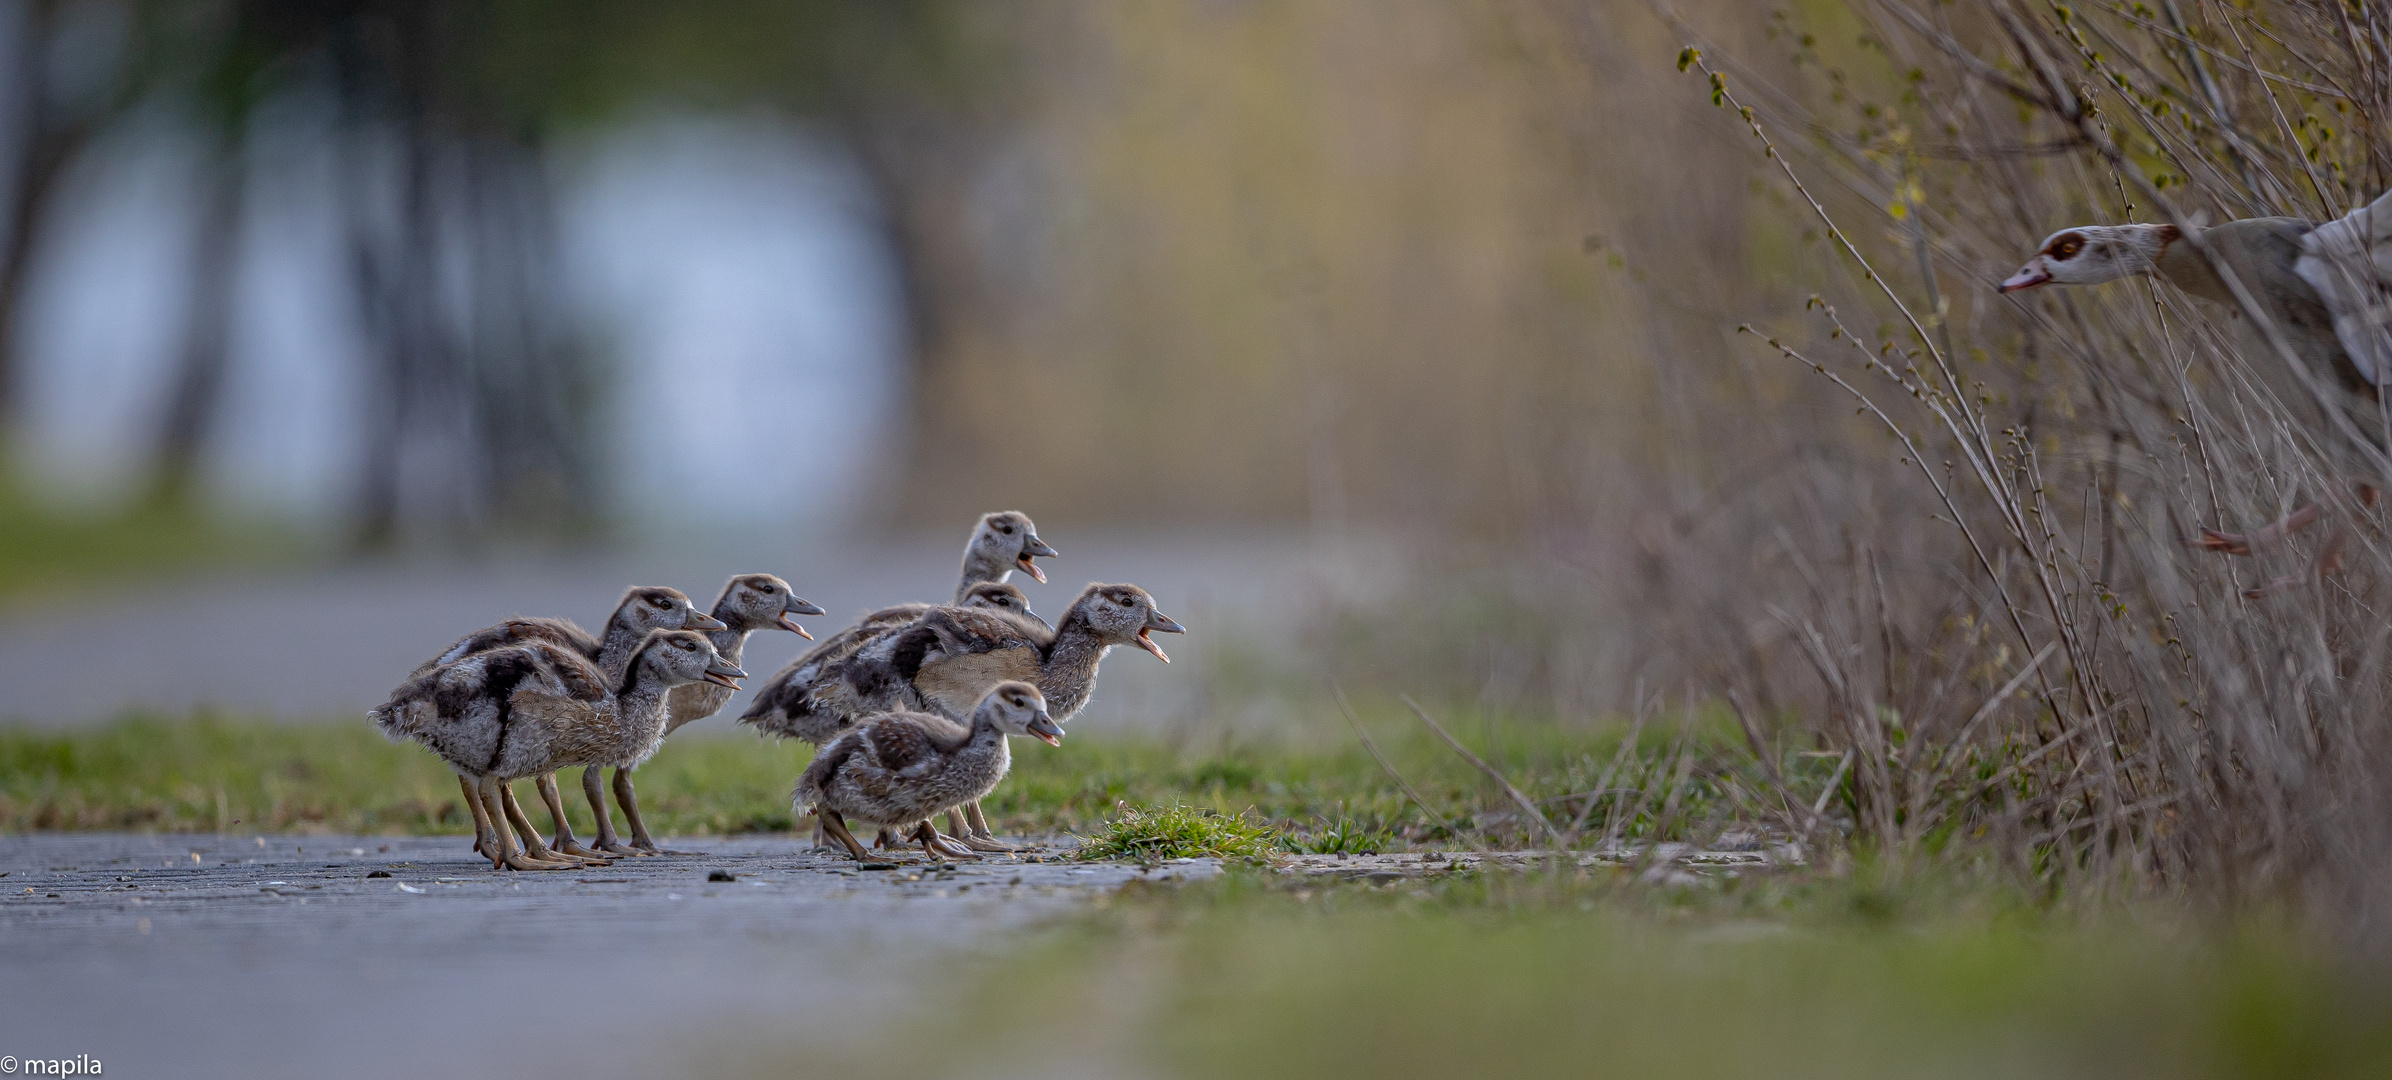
column 1031, row 568
column 2031, row 275
column 1042, row 728
column 699, row 620
column 721, row 672
column 1156, row 620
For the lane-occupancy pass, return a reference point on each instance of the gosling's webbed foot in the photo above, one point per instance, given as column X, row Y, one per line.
column 987, row 843
column 947, row 846
column 575, row 849
column 617, row 847
column 521, row 861
column 652, row 849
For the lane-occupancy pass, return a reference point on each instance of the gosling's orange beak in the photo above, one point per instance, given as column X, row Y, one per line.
column 1030, row 568
column 790, row 624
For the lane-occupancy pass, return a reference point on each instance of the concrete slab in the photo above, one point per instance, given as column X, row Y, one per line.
column 235, row 956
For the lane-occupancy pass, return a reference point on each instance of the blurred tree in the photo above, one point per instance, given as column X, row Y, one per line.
column 250, row 51
column 481, row 398
column 64, row 81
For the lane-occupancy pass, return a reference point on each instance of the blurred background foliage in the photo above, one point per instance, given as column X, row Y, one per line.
column 1339, row 265
column 1443, row 283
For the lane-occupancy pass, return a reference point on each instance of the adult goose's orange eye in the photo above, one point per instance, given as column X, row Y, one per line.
column 2067, row 247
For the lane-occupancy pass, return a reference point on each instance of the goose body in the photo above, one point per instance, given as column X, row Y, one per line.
column 531, row 709
column 900, row 768
column 950, row 657
column 1001, row 543
column 2327, row 287
column 643, row 609
column 794, row 705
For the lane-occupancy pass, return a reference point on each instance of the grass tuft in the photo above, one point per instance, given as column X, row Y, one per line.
column 1344, row 835
column 1180, row 832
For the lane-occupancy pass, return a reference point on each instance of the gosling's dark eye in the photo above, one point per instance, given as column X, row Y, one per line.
column 1006, row 529
column 765, row 589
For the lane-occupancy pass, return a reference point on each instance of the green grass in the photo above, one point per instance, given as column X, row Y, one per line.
column 1180, row 832
column 1263, row 976
column 214, row 773
column 1856, row 969
column 47, row 548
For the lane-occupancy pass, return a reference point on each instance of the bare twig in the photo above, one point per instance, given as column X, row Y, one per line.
column 1527, row 806
column 1362, row 733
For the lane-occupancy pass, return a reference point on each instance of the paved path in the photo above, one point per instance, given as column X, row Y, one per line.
column 207, row 956
column 318, row 643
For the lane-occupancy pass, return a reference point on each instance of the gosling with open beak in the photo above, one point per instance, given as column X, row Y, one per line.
column 1156, row 620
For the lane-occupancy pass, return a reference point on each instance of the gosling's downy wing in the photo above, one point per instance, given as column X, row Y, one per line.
column 2349, row 262
column 907, row 742
column 517, row 631
column 947, row 659
column 974, row 650
column 955, row 684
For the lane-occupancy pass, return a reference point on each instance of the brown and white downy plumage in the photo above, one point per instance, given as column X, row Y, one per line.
column 950, row 657
column 2326, row 288
column 786, row 708
column 644, row 608
column 1001, row 543
column 533, row 708
column 898, row 769
column 749, row 602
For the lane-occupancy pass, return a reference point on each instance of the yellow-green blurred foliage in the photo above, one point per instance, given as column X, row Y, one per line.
column 1337, row 261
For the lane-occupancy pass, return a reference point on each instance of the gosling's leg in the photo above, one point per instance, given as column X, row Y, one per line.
column 630, row 801
column 837, row 826
column 510, row 855
column 482, row 843
column 979, row 838
column 533, row 844
column 565, row 842
column 594, row 787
